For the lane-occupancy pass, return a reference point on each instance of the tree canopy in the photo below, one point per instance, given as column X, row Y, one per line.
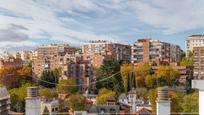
column 49, row 78
column 67, row 86
column 13, row 77
column 17, row 96
column 103, row 95
column 76, row 102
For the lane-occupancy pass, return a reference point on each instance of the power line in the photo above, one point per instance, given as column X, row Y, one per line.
column 78, row 84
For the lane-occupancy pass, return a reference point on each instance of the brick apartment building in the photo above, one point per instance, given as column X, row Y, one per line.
column 10, row 61
column 99, row 50
column 198, row 64
column 55, row 49
column 155, row 52
column 72, row 64
column 49, row 57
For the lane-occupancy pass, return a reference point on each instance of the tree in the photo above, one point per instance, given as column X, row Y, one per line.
column 126, row 72
column 140, row 81
column 49, row 78
column 25, row 74
column 168, row 74
column 187, row 61
column 151, row 81
column 143, row 70
column 47, row 92
column 110, row 68
column 152, row 95
column 190, row 102
column 103, row 95
column 9, row 77
column 175, row 101
column 17, row 96
column 76, row 102
column 67, row 86
column 188, row 87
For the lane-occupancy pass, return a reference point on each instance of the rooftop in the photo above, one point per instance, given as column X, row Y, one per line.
column 192, row 37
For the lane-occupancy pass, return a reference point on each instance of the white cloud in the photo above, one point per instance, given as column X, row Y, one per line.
column 172, row 16
column 40, row 17
column 76, row 21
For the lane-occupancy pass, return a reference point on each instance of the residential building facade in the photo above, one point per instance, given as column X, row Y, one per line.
column 99, row 50
column 72, row 64
column 10, row 61
column 24, row 55
column 155, row 52
column 198, row 64
column 194, row 41
column 55, row 49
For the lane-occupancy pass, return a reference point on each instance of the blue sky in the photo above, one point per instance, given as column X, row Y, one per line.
column 25, row 24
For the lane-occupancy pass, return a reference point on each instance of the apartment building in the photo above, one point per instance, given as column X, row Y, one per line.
column 10, row 61
column 45, row 63
column 4, row 101
column 198, row 64
column 194, row 41
column 55, row 49
column 155, row 52
column 48, row 57
column 72, row 64
column 25, row 55
column 99, row 50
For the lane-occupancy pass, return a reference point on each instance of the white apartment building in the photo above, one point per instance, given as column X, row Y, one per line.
column 194, row 41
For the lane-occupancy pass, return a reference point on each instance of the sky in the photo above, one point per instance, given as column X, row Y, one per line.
column 26, row 24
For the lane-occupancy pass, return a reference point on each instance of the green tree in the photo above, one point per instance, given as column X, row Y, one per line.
column 47, row 92
column 103, row 95
column 110, row 67
column 188, row 87
column 190, row 102
column 67, row 86
column 49, row 78
column 187, row 61
column 17, row 96
column 76, row 102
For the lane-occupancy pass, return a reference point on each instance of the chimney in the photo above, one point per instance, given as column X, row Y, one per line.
column 33, row 103
column 32, row 92
column 163, row 101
